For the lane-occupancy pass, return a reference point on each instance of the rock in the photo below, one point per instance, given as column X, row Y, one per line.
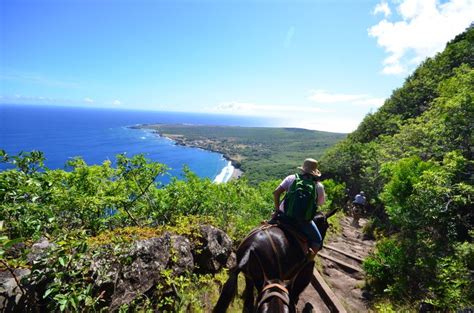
column 105, row 268
column 136, row 270
column 148, row 258
column 16, row 250
column 231, row 261
column 215, row 249
column 140, row 269
column 38, row 249
column 182, row 259
column 12, row 297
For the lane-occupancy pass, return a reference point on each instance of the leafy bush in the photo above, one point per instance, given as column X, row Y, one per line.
column 429, row 258
column 65, row 270
column 413, row 158
column 37, row 201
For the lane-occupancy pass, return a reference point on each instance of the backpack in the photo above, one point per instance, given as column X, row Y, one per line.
column 300, row 200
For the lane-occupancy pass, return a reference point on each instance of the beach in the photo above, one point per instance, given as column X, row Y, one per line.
column 228, row 173
column 236, row 174
column 225, row 175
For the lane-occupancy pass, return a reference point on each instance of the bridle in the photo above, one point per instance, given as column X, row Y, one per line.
column 274, row 290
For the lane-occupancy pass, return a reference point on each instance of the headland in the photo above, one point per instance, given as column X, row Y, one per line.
column 256, row 153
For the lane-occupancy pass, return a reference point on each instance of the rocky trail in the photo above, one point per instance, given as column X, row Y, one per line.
column 338, row 287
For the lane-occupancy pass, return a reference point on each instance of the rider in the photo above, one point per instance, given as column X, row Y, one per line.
column 309, row 170
column 359, row 204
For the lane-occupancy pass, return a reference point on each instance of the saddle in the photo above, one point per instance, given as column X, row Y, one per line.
column 290, row 228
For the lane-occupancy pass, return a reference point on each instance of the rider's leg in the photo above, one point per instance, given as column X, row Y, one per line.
column 356, row 214
column 314, row 237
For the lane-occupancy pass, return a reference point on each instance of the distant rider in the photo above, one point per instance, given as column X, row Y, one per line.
column 358, row 207
column 309, row 171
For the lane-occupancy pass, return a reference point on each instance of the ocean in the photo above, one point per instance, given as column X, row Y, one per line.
column 96, row 135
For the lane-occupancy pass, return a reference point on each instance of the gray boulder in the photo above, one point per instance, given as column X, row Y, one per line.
column 214, row 251
column 12, row 297
column 138, row 270
column 39, row 249
column 182, row 259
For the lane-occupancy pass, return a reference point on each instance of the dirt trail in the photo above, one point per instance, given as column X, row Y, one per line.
column 342, row 269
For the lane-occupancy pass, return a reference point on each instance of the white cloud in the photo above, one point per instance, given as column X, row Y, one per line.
column 325, row 97
column 382, row 7
column 394, row 69
column 423, row 30
column 252, row 109
column 345, row 113
column 26, row 99
column 340, row 124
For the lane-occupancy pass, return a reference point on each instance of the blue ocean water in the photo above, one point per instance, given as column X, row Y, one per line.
column 100, row 134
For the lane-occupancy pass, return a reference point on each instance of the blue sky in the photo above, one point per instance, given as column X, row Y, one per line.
column 314, row 64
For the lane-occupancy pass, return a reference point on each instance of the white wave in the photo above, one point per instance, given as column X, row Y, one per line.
column 143, row 137
column 225, row 174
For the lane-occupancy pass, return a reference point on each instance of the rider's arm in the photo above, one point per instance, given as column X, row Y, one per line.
column 276, row 197
column 321, row 194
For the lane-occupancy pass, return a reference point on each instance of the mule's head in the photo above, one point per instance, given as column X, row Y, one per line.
column 321, row 220
column 275, row 297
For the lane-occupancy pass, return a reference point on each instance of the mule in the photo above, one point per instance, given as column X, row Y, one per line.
column 271, row 253
column 275, row 298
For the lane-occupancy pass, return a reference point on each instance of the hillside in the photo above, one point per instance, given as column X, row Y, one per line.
column 109, row 236
column 262, row 153
column 414, row 159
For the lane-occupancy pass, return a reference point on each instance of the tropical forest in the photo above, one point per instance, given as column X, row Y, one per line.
column 115, row 237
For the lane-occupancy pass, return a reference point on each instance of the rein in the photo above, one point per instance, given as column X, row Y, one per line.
column 280, row 292
column 255, row 230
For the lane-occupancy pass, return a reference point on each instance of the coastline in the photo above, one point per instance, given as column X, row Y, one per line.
column 228, row 173
column 236, row 174
column 269, row 151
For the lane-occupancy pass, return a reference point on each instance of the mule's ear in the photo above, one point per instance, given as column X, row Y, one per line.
column 331, row 213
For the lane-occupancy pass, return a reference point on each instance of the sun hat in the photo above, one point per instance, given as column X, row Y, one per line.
column 310, row 166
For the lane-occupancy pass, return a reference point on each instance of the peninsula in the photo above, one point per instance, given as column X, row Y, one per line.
column 261, row 152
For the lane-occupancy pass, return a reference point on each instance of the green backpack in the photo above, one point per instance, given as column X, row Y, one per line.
column 300, row 200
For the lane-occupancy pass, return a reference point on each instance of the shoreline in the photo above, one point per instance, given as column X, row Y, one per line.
column 228, row 174
column 236, row 172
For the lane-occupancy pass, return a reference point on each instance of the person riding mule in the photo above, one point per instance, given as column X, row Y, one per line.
column 358, row 207
column 275, row 260
column 269, row 254
column 307, row 226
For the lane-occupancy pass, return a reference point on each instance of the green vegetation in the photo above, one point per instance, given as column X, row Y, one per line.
column 414, row 159
column 262, row 153
column 89, row 210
